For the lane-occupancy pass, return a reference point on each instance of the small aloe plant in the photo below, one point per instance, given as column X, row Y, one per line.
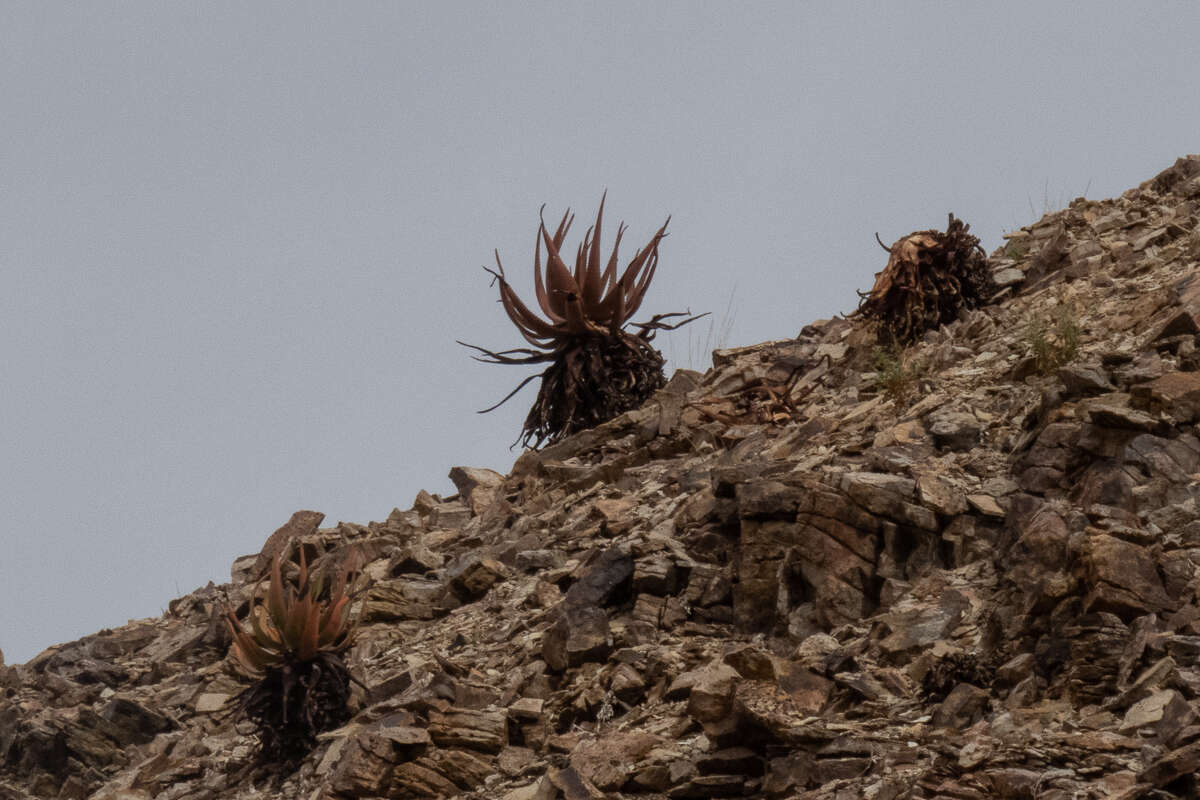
column 294, row 623
column 298, row 633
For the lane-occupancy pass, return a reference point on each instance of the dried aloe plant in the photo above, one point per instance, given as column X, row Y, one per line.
column 298, row 632
column 929, row 277
column 597, row 370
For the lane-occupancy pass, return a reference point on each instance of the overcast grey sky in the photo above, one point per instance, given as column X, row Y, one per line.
column 238, row 240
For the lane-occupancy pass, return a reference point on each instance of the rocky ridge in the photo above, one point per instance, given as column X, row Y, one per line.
column 776, row 579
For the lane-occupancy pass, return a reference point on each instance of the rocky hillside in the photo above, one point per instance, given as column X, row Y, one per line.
column 811, row 572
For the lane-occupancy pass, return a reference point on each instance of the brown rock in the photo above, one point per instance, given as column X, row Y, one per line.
column 364, row 767
column 788, row 773
column 1175, row 764
column 1176, row 394
column 986, row 504
column 651, row 778
column 963, row 707
column 452, row 515
column 681, row 686
column 605, row 762
column 655, row 574
column 953, row 430
column 1165, row 711
column 815, row 567
column 529, row 561
column 815, row 649
column 807, row 691
column 476, row 486
column 1015, row 670
column 301, row 524
column 627, row 684
column 1094, row 644
column 414, row 558
column 1113, row 411
column 512, row 761
column 1014, row 782
column 580, row 634
column 613, row 511
column 1008, row 276
column 915, row 626
column 526, row 708
column 465, row 769
column 731, row 761
column 603, row 576
column 1123, row 578
column 711, row 786
column 574, row 786
column 752, row 663
column 486, row 731
column 804, row 544
column 424, row 503
column 420, row 779
column 131, row 722
column 210, row 702
column 878, row 492
column 1082, row 380
column 763, row 711
column 1045, row 537
column 1182, row 323
column 475, row 576
column 403, row 598
column 940, row 495
column 711, row 698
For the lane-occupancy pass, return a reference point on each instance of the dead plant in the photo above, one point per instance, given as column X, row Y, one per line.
column 930, row 276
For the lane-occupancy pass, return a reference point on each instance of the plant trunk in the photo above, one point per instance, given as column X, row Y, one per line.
column 592, row 380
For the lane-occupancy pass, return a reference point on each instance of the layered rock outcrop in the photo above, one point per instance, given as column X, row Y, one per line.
column 776, row 579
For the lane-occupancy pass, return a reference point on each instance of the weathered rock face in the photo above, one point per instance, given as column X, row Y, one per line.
column 773, row 580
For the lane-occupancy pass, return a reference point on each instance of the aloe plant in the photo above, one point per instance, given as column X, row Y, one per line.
column 294, row 623
column 597, row 369
column 293, row 651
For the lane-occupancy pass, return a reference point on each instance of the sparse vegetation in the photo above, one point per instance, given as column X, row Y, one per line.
column 897, row 377
column 293, row 651
column 1054, row 342
column 597, row 370
column 699, row 350
column 1016, row 249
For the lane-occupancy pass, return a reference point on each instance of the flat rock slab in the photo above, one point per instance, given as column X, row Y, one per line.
column 1176, row 394
column 476, row 730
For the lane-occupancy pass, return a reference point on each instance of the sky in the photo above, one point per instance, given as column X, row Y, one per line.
column 239, row 240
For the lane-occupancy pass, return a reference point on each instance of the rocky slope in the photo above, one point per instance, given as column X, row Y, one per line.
column 783, row 578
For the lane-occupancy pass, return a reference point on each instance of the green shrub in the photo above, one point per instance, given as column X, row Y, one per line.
column 1054, row 342
column 896, row 377
column 1016, row 249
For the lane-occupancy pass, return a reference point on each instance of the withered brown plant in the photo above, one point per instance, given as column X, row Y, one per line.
column 930, row 276
column 293, row 650
column 597, row 370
